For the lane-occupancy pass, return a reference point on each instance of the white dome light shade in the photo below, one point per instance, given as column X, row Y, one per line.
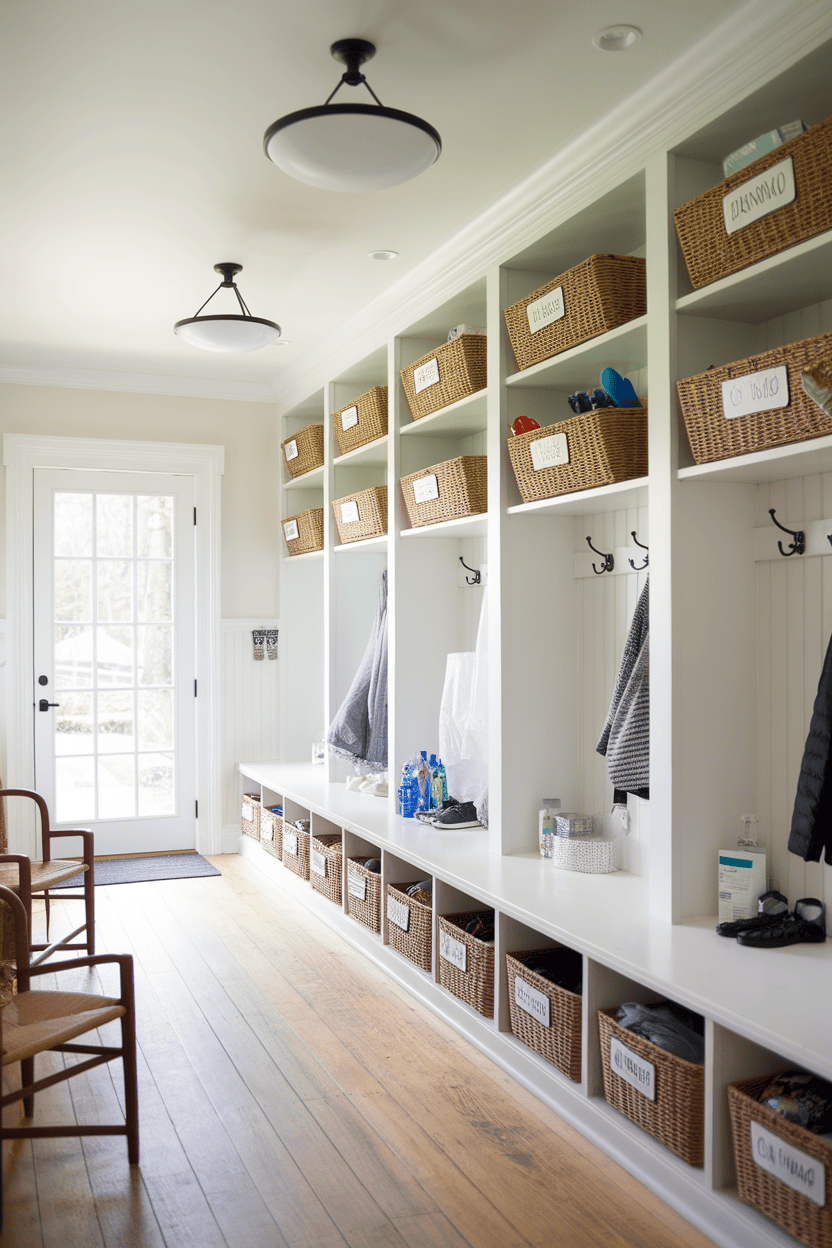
column 227, row 333
column 352, row 147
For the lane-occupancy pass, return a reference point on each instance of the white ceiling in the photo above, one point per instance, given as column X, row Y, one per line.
column 132, row 156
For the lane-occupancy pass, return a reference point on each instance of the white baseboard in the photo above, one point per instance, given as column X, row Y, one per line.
column 229, row 838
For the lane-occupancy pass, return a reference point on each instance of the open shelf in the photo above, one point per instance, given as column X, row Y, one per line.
column 372, row 454
column 315, row 477
column 624, row 349
column 776, row 464
column 588, row 502
column 366, row 543
column 465, row 416
column 467, row 526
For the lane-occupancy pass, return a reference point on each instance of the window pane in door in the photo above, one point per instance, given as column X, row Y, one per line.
column 73, row 589
column 153, row 590
column 116, row 786
column 73, row 656
column 155, row 719
column 116, row 731
column 156, row 791
column 73, row 724
column 114, row 657
column 114, row 525
column 115, row 590
column 154, row 652
column 75, row 789
column 154, row 526
column 73, row 524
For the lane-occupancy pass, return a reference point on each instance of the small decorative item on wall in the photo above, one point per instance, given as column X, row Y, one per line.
column 264, row 641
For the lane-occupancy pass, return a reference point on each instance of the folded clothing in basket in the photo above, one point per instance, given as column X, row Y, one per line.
column 563, row 967
column 669, row 1026
column 801, row 1098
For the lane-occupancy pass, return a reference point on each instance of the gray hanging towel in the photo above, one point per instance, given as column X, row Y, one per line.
column 358, row 733
column 626, row 737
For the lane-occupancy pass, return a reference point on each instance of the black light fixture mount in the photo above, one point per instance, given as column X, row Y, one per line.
column 231, row 332
column 352, row 147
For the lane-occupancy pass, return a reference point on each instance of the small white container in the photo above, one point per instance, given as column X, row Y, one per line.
column 591, row 855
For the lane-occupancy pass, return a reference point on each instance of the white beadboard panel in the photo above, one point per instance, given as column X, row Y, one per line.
column 794, row 612
column 606, row 606
column 250, row 710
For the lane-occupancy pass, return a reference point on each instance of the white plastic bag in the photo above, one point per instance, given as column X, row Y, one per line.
column 463, row 717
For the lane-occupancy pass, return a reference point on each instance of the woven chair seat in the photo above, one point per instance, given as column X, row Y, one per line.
column 34, row 1021
column 44, row 874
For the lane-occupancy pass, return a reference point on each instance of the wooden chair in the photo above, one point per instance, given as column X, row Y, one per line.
column 35, row 1022
column 31, row 878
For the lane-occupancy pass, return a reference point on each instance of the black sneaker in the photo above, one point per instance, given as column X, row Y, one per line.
column 428, row 816
column 772, row 907
column 463, row 815
column 806, row 925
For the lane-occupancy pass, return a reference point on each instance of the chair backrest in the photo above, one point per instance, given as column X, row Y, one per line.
column 45, row 846
column 4, row 840
column 14, row 938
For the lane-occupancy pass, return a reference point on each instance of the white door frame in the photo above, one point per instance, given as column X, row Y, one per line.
column 22, row 453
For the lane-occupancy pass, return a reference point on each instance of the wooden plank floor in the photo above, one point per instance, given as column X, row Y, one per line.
column 291, row 1095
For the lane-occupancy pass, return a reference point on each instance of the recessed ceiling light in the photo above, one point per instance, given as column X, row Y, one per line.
column 616, row 38
column 382, row 255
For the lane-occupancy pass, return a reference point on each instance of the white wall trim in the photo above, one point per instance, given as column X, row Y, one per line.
column 140, row 383
column 22, row 453
column 230, row 838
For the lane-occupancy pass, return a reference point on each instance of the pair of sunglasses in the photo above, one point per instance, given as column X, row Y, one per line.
column 585, row 402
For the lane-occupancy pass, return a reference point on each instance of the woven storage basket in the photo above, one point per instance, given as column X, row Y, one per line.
column 271, row 832
column 792, row 1210
column 711, row 252
column 366, row 909
column 366, row 419
column 475, row 984
column 598, row 295
column 370, row 508
column 415, row 943
column 461, row 490
column 676, row 1118
column 713, row 435
column 326, row 851
column 461, row 368
column 298, row 862
column 310, row 531
column 304, row 450
column 250, row 815
column 559, row 1041
column 603, row 447
column 591, row 855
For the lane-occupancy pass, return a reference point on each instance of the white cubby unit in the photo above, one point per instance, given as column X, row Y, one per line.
column 738, row 633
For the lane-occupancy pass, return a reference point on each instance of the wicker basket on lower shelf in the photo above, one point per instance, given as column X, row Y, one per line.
column 296, row 849
column 558, row 1037
column 676, row 1117
column 409, row 926
column 706, row 401
column 305, row 531
column 452, row 490
column 271, row 831
column 470, row 975
column 362, row 421
column 361, row 515
column 364, row 895
column 793, row 1210
column 250, row 815
column 593, row 449
column 325, row 859
column 304, row 450
column 451, row 372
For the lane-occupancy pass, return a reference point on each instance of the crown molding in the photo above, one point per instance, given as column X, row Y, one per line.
column 140, row 383
column 710, row 77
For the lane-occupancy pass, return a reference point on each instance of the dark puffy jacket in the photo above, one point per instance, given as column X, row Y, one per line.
column 811, row 831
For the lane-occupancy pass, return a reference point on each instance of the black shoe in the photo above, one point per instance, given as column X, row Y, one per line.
column 772, row 907
column 806, row 925
column 463, row 815
column 428, row 816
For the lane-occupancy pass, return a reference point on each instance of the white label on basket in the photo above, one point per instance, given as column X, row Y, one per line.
column 544, row 311
column 796, row 1169
column 349, row 417
column 356, row 885
column 290, row 528
column 546, row 452
column 756, row 392
column 453, row 951
column 290, row 843
column 759, row 196
column 349, row 512
column 398, row 913
column 532, row 1001
column 248, row 809
column 317, row 862
column 426, row 375
column 633, row 1069
column 266, row 830
column 290, row 450
column 425, row 489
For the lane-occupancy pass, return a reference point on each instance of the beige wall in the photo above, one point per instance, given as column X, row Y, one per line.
column 248, row 431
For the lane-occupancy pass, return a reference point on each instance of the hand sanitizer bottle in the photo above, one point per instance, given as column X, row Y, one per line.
column 546, row 826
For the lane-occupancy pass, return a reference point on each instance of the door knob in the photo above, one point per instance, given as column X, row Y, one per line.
column 43, row 705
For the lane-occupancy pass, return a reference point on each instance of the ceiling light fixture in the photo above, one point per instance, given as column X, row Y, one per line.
column 616, row 38
column 382, row 255
column 233, row 332
column 352, row 147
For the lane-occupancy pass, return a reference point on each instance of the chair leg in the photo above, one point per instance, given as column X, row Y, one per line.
column 131, row 1081
column 89, row 910
column 27, row 1076
column 46, row 903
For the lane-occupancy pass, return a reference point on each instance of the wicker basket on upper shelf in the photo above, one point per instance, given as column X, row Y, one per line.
column 304, row 450
column 452, row 490
column 711, row 252
column 361, row 515
column 304, row 532
column 587, row 451
column 451, row 372
column 707, row 400
column 598, row 295
column 362, row 421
